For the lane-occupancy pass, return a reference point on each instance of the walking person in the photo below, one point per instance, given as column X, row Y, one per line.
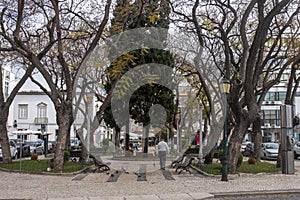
column 163, row 149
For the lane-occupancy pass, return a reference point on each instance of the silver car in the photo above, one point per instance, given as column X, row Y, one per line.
column 36, row 147
column 13, row 149
column 296, row 149
column 269, row 150
column 243, row 146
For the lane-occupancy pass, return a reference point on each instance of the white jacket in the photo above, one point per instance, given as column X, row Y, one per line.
column 162, row 146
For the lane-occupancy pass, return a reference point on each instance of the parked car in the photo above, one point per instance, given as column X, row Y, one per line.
column 151, row 141
column 243, row 146
column 136, row 140
column 269, row 150
column 296, row 149
column 36, row 147
column 75, row 143
column 51, row 146
column 249, row 150
column 13, row 149
column 25, row 147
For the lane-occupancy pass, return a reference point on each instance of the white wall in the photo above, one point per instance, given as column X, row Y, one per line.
column 11, row 80
column 297, row 106
column 32, row 99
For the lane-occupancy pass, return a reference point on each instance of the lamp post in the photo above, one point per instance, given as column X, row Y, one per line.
column 200, row 132
column 15, row 125
column 177, row 117
column 225, row 88
column 89, row 99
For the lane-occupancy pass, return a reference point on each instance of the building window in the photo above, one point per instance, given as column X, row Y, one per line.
column 23, row 111
column 23, row 137
column 275, row 96
column 42, row 110
column 272, row 117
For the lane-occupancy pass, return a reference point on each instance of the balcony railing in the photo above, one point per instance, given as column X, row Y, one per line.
column 41, row 120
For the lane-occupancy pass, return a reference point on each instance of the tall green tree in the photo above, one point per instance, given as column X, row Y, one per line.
column 128, row 16
column 151, row 94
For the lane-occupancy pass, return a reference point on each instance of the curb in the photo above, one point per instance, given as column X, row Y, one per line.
column 255, row 193
column 47, row 173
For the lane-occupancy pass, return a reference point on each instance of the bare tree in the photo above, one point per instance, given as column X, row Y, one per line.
column 55, row 37
column 8, row 57
column 5, row 103
column 247, row 41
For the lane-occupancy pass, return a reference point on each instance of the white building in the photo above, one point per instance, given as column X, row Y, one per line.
column 32, row 110
column 8, row 79
column 270, row 110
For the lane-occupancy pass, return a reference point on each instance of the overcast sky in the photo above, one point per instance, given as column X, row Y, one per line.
column 29, row 85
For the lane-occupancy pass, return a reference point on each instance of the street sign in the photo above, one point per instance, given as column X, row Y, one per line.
column 43, row 127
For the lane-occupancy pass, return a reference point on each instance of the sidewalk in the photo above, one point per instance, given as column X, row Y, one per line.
column 156, row 187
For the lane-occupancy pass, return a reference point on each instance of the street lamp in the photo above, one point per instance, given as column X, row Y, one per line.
column 225, row 88
column 177, row 117
column 15, row 125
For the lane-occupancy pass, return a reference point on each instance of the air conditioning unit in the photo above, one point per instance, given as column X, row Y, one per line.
column 267, row 125
column 274, row 126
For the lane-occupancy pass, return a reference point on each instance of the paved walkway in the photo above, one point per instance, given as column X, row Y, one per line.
column 129, row 181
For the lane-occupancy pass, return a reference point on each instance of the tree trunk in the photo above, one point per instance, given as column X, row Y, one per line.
column 117, row 136
column 68, row 142
column 6, row 156
column 234, row 145
column 257, row 139
column 92, row 142
column 127, row 137
column 84, row 153
column 64, row 121
column 145, row 139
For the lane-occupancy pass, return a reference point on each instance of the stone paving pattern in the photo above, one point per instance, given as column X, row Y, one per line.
column 184, row 187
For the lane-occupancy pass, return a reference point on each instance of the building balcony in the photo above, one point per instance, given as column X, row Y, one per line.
column 41, row 120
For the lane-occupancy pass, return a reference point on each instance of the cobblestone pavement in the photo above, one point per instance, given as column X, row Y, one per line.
column 155, row 186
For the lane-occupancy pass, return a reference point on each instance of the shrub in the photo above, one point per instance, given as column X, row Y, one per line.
column 66, row 155
column 105, row 142
column 251, row 161
column 34, row 156
column 220, row 154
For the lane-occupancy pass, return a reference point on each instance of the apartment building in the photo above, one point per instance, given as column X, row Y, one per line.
column 8, row 79
column 270, row 111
